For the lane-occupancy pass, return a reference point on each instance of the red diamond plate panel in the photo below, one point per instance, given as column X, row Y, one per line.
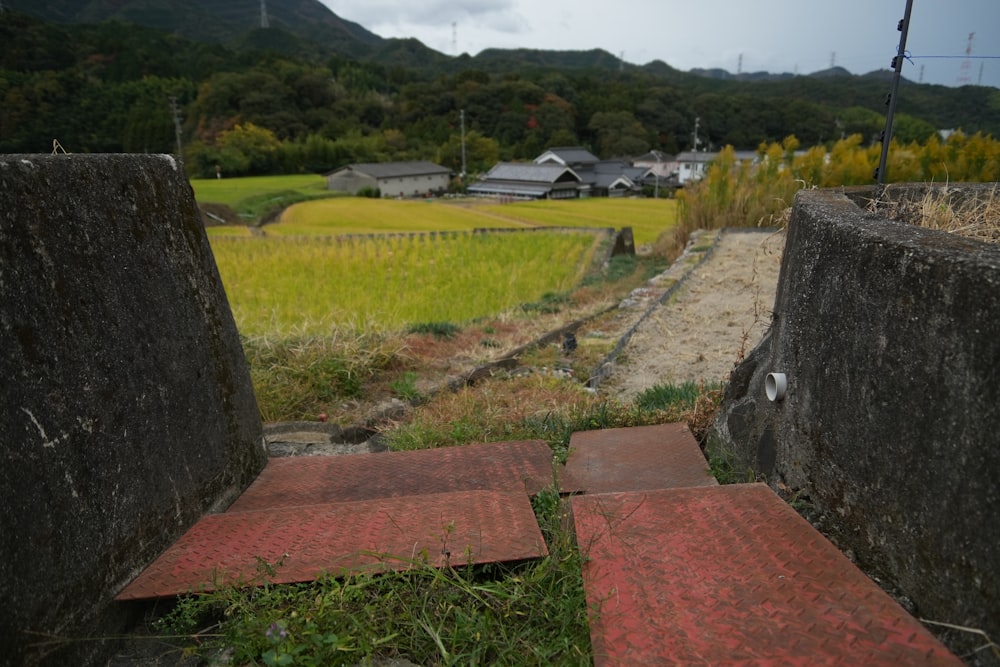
column 631, row 459
column 731, row 575
column 458, row 528
column 524, row 466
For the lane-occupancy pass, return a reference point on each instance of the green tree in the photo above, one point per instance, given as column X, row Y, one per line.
column 619, row 133
column 257, row 145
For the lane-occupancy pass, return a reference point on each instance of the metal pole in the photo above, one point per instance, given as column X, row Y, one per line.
column 897, row 66
column 463, row 144
column 656, row 194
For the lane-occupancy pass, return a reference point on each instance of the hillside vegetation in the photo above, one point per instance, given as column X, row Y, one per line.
column 273, row 102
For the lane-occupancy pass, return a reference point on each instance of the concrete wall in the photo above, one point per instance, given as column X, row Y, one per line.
column 413, row 186
column 126, row 410
column 348, row 180
column 889, row 336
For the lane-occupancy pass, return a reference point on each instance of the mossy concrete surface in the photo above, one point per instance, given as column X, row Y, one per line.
column 126, row 409
column 888, row 336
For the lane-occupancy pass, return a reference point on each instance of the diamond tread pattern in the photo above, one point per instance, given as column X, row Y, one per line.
column 732, row 575
column 524, row 466
column 631, row 459
column 302, row 543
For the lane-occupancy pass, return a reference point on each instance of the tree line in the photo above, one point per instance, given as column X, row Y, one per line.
column 108, row 88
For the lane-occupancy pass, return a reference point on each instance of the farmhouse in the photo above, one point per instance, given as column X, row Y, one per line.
column 528, row 181
column 598, row 178
column 392, row 179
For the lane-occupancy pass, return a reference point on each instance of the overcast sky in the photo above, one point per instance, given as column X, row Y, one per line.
column 773, row 35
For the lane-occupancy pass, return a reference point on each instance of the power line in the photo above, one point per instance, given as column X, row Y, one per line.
column 909, row 57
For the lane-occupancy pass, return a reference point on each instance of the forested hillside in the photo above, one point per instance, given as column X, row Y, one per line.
column 108, row 87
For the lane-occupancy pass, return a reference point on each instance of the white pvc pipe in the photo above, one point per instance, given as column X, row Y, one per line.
column 775, row 385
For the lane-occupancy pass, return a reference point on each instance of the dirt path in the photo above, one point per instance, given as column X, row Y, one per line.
column 718, row 314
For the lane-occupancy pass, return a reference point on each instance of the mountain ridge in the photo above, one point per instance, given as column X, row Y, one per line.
column 231, row 23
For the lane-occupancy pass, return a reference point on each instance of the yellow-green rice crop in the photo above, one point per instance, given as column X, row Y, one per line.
column 309, row 284
column 228, row 230
column 359, row 215
column 648, row 218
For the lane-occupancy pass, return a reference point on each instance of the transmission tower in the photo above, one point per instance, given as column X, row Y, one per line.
column 454, row 37
column 263, row 14
column 965, row 69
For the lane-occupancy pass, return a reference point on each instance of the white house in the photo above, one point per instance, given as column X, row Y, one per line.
column 393, row 179
column 692, row 165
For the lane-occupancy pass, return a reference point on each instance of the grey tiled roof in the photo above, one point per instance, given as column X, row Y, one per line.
column 571, row 155
column 528, row 172
column 398, row 169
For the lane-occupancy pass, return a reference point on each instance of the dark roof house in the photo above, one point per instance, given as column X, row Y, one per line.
column 570, row 156
column 528, row 181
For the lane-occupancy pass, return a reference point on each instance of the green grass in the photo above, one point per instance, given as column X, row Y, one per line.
column 534, row 613
column 232, row 191
column 282, row 285
column 260, row 198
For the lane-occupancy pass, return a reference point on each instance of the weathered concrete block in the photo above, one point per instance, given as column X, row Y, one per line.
column 888, row 335
column 126, row 409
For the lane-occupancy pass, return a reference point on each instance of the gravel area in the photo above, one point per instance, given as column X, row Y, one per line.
column 713, row 319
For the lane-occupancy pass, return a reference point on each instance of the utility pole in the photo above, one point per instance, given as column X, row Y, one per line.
column 176, row 113
column 462, row 116
column 897, row 66
column 697, row 141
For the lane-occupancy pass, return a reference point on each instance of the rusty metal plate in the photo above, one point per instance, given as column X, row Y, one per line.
column 631, row 459
column 525, row 466
column 388, row 534
column 732, row 575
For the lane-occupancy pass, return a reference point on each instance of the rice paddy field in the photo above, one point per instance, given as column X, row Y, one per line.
column 319, row 267
column 308, row 285
column 648, row 218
